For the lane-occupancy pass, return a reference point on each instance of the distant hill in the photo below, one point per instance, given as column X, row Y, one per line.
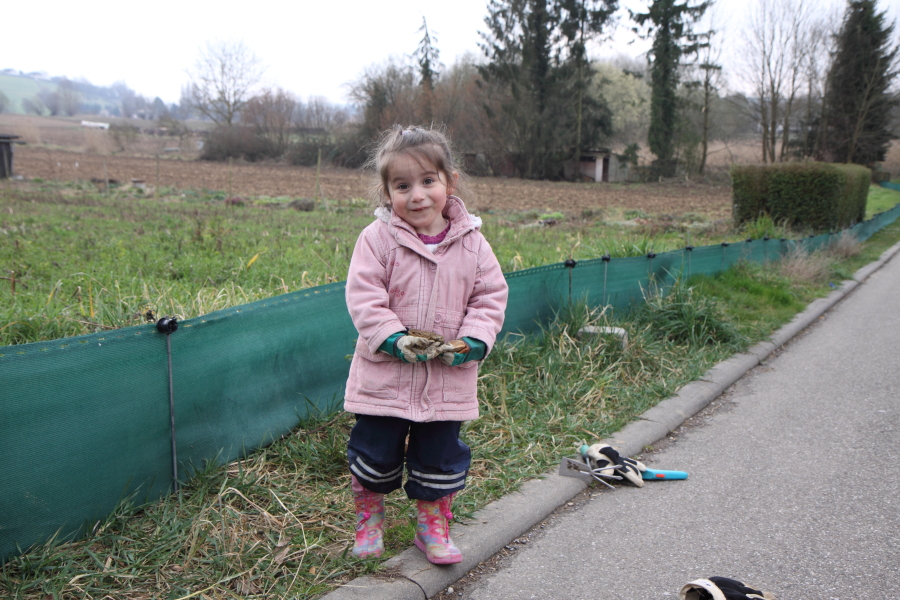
column 93, row 100
column 16, row 88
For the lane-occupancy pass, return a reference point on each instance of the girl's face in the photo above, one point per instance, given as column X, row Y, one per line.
column 418, row 193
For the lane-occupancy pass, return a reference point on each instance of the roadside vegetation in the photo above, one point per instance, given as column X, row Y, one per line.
column 280, row 522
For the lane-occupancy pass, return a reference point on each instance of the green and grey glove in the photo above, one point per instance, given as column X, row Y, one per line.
column 412, row 348
column 457, row 352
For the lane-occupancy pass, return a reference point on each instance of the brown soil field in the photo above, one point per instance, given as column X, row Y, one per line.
column 61, row 149
column 250, row 180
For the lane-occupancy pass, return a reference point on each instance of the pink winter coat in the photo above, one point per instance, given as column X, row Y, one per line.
column 396, row 283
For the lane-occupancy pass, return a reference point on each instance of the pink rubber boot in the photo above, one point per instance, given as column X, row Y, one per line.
column 433, row 531
column 369, row 520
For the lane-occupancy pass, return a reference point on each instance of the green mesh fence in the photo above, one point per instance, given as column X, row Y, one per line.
column 85, row 422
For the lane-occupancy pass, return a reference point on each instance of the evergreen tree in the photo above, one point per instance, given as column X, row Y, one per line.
column 859, row 101
column 582, row 20
column 428, row 58
column 669, row 23
column 536, row 56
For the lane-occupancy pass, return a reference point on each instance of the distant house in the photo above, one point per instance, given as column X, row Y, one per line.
column 603, row 166
column 6, row 154
column 95, row 125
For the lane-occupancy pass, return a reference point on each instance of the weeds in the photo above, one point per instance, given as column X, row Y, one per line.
column 697, row 321
column 844, row 246
column 764, row 226
column 811, row 268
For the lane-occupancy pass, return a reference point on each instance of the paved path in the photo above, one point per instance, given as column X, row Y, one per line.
column 794, row 483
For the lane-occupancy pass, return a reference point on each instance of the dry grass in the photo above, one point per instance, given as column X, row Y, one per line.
column 810, row 268
column 844, row 246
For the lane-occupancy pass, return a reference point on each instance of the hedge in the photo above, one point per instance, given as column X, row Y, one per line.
column 815, row 196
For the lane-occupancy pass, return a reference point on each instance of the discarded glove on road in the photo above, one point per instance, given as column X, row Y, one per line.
column 607, row 458
column 721, row 588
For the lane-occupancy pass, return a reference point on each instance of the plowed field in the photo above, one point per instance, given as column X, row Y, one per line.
column 494, row 193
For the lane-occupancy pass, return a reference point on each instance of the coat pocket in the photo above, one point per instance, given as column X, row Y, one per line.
column 375, row 375
column 461, row 383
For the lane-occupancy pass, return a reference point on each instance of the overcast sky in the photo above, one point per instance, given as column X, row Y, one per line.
column 311, row 48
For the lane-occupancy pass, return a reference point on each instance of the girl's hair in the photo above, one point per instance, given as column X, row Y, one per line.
column 430, row 146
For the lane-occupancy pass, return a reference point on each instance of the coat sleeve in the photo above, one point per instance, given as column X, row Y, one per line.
column 367, row 294
column 487, row 303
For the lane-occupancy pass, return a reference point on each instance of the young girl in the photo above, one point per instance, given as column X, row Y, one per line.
column 421, row 267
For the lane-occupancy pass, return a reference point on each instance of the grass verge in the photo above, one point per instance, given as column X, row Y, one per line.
column 280, row 522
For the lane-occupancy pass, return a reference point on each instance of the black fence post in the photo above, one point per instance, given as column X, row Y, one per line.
column 167, row 326
column 605, row 258
column 570, row 264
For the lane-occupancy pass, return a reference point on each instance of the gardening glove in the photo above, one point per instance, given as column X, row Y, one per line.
column 607, row 456
column 721, row 588
column 412, row 346
column 457, row 352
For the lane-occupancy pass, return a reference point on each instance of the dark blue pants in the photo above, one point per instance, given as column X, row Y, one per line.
column 437, row 461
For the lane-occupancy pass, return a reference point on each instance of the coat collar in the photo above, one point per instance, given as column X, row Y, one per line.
column 461, row 221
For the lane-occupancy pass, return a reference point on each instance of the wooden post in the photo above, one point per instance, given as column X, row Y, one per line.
column 318, row 168
column 105, row 177
column 229, row 177
column 156, row 187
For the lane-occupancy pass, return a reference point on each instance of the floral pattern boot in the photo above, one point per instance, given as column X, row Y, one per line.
column 433, row 531
column 369, row 520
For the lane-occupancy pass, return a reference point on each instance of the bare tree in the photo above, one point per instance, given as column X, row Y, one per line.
column 776, row 64
column 270, row 113
column 319, row 113
column 386, row 94
column 68, row 97
column 34, row 105
column 222, row 80
column 820, row 42
column 709, row 82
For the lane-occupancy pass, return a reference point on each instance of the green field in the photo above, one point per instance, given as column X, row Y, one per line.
column 18, row 88
column 75, row 261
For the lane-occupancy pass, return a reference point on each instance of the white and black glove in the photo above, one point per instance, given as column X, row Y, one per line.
column 721, row 588
column 608, row 459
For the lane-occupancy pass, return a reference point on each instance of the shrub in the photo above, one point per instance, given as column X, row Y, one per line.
column 817, row 196
column 223, row 143
column 855, row 194
column 749, row 192
column 343, row 151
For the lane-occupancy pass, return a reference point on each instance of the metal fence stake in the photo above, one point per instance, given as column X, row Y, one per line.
column 167, row 325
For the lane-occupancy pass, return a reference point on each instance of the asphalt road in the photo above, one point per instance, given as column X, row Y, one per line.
column 793, row 487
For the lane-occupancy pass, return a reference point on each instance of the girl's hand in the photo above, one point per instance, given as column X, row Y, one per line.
column 457, row 352
column 412, row 348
